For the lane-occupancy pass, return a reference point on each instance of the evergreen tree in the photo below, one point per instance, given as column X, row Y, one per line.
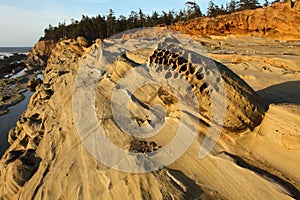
column 244, row 5
column 232, row 6
column 222, row 10
column 193, row 10
column 171, row 16
column 154, row 18
column 248, row 4
column 266, row 3
column 106, row 26
column 254, row 4
column 101, row 27
column 148, row 22
column 181, row 16
column 110, row 23
column 211, row 10
column 275, row 1
column 214, row 10
column 141, row 18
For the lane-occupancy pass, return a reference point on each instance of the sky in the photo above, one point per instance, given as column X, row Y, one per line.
column 22, row 22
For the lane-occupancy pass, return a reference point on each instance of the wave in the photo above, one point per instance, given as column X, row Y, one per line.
column 10, row 51
column 4, row 54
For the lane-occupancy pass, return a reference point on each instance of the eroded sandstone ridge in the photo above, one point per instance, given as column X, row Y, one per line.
column 38, row 56
column 47, row 159
column 39, row 120
column 279, row 21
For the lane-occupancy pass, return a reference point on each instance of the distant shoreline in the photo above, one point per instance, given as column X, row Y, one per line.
column 14, row 49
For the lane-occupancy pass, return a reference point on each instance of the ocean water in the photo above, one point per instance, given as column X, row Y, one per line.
column 9, row 51
column 9, row 120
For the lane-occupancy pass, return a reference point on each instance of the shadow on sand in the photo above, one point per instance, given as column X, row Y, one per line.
column 194, row 191
column 288, row 92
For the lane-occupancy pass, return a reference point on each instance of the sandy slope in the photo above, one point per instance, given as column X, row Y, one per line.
column 47, row 159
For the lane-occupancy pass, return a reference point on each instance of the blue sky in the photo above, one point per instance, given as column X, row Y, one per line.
column 23, row 22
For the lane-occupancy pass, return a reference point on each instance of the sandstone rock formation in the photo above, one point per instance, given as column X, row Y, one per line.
column 82, row 41
column 255, row 157
column 279, row 21
column 21, row 163
column 243, row 107
column 47, row 159
column 32, row 84
column 38, row 56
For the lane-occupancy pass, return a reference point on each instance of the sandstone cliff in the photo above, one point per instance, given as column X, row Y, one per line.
column 280, row 21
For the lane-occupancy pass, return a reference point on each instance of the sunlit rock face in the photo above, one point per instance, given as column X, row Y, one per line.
column 280, row 21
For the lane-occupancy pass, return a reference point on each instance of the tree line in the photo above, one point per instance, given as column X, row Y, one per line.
column 108, row 25
column 214, row 10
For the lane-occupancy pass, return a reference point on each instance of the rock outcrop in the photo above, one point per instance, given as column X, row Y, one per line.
column 47, row 159
column 49, row 156
column 32, row 84
column 11, row 65
column 38, row 56
column 82, row 41
column 243, row 107
column 22, row 162
column 280, row 21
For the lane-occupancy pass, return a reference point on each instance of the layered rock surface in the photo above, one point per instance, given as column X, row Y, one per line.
column 279, row 21
column 48, row 160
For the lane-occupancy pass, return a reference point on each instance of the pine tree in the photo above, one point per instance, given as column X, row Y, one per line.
column 171, row 16
column 197, row 11
column 244, row 5
column 232, row 6
column 275, row 1
column 181, row 16
column 254, row 4
column 214, row 10
column 141, row 20
column 222, row 10
column 248, row 4
column 163, row 19
column 266, row 4
column 193, row 10
column 154, row 18
column 211, row 10
column 110, row 23
column 107, row 25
